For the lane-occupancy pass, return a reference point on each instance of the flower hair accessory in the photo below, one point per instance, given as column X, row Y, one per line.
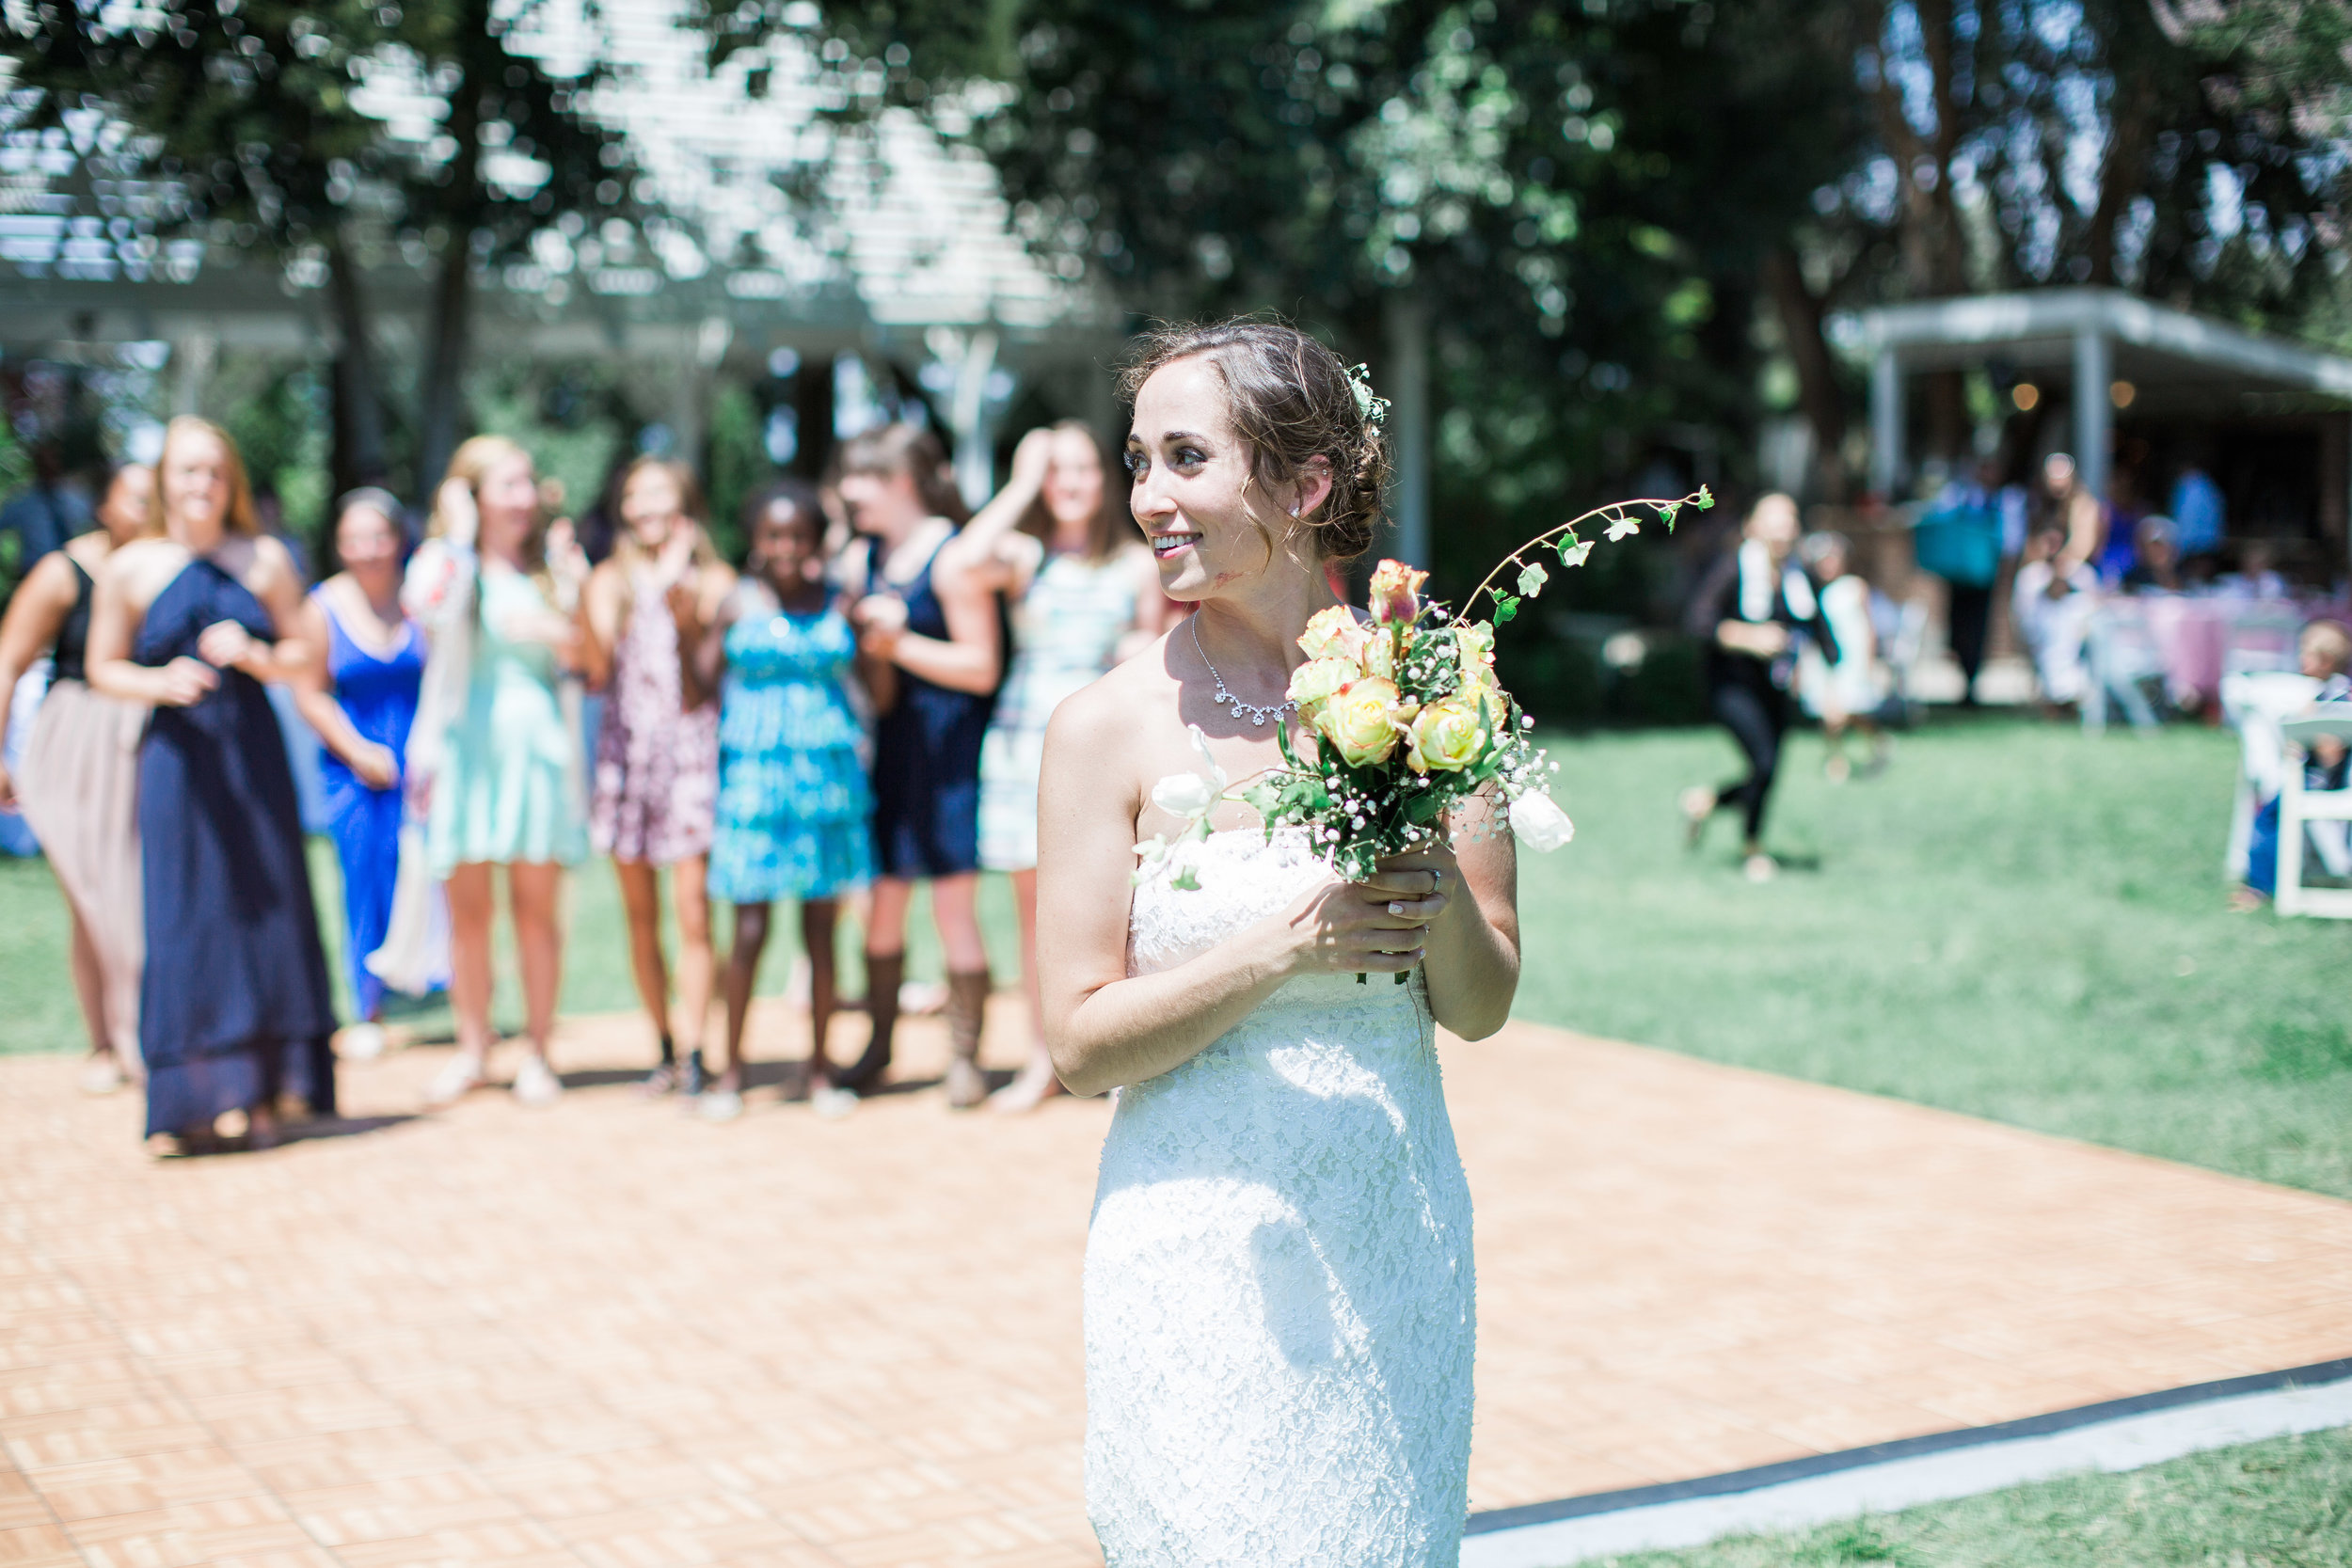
column 1371, row 404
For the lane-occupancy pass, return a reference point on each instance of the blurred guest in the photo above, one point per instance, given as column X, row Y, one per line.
column 794, row 799
column 2324, row 653
column 2258, row 576
column 2198, row 514
column 2067, row 504
column 362, row 699
column 234, row 1010
column 656, row 779
column 504, row 785
column 46, row 514
column 1843, row 682
column 1058, row 544
column 1745, row 612
column 1976, row 508
column 2155, row 557
column 927, row 614
column 2051, row 604
column 80, row 785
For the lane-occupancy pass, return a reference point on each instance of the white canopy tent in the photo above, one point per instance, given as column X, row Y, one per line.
column 2110, row 346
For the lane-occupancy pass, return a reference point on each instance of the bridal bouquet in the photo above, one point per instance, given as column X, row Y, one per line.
column 1410, row 720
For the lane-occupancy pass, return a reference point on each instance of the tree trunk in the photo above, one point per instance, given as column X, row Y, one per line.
column 1800, row 311
column 443, row 401
column 2119, row 174
column 358, row 415
column 812, row 415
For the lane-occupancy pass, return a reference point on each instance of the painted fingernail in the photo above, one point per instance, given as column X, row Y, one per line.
column 1396, row 909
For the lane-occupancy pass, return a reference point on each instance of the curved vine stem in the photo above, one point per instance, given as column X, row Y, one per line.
column 1699, row 499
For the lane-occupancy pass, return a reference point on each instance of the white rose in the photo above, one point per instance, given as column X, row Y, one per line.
column 1185, row 795
column 1540, row 823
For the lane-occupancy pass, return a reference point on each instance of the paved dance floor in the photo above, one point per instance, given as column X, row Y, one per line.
column 610, row 1336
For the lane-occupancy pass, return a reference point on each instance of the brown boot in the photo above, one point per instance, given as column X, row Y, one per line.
column 967, row 999
column 882, row 975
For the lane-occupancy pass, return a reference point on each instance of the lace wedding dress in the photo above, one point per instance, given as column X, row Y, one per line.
column 1278, row 1297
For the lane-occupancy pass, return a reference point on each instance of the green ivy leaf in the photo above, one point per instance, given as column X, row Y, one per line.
column 1532, row 578
column 1575, row 551
column 1667, row 514
column 1506, row 607
column 1707, row 499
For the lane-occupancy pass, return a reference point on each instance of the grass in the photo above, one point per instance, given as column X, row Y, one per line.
column 2016, row 921
column 2286, row 1503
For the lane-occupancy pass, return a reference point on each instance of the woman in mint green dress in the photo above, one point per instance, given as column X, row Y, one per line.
column 793, row 797
column 498, row 760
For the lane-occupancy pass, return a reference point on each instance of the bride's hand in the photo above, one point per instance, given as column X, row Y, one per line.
column 1378, row 926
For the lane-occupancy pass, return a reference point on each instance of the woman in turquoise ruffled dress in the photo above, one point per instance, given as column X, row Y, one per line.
column 499, row 762
column 793, row 797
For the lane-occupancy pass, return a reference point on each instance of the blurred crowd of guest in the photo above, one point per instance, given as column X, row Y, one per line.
column 856, row 706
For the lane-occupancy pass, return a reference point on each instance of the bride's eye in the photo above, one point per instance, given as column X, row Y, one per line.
column 1189, row 457
column 1134, row 463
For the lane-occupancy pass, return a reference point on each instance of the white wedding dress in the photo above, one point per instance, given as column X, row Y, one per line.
column 1279, row 1295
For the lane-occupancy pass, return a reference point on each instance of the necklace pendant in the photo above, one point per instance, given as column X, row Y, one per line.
column 1259, row 719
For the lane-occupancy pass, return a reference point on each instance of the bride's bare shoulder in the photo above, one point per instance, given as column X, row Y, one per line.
column 1104, row 720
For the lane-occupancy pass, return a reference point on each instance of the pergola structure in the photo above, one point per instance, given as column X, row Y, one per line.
column 2109, row 350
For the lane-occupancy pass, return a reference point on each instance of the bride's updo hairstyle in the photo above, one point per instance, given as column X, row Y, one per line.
column 1291, row 400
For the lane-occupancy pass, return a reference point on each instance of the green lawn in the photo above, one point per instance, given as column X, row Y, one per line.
column 2016, row 921
column 2282, row 1504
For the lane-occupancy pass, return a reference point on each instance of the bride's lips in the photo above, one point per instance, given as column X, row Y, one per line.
column 1165, row 545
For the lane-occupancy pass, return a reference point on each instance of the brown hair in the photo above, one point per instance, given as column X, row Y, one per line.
column 1112, row 525
column 916, row 452
column 240, row 516
column 627, row 551
column 1292, row 401
column 474, row 457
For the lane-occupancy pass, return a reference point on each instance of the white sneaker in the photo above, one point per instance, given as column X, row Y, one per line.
column 536, row 1085
column 1760, row 868
column 719, row 1105
column 831, row 1102
column 362, row 1042
column 453, row 1083
column 101, row 1074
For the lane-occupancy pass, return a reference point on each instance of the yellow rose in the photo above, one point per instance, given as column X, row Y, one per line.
column 1334, row 633
column 1313, row 682
column 1396, row 592
column 1446, row 738
column 1475, row 642
column 1380, row 656
column 1363, row 719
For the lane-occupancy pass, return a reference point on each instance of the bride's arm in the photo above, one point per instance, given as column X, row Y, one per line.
column 1474, row 966
column 1105, row 1029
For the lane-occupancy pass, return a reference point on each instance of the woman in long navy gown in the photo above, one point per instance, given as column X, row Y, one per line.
column 233, row 1011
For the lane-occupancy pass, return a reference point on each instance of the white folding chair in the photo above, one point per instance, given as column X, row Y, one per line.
column 2255, row 704
column 2327, row 813
column 2122, row 651
column 2260, row 638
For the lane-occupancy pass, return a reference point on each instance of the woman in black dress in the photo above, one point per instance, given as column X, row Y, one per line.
column 233, row 1011
column 929, row 615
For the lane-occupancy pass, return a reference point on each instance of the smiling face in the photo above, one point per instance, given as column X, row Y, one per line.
column 788, row 542
column 508, row 501
column 197, row 478
column 130, row 501
column 651, row 506
column 368, row 543
column 885, row 504
column 1210, row 524
column 1074, row 483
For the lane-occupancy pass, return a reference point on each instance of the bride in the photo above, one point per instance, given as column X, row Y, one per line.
column 1278, row 1298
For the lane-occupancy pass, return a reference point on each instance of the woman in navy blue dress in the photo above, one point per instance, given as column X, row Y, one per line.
column 930, row 617
column 233, row 1011
column 362, row 699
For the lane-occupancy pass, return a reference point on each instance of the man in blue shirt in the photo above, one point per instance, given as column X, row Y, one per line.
column 2198, row 513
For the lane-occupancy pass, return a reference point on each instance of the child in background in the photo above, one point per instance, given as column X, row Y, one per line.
column 793, row 797
column 2324, row 653
column 1845, row 687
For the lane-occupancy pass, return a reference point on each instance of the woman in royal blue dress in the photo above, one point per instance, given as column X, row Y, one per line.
column 362, row 699
column 233, row 1011
column 794, row 799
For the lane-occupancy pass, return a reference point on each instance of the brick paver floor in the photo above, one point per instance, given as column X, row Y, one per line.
column 610, row 1336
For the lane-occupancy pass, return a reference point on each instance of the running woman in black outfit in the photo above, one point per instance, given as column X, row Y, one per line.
column 1746, row 613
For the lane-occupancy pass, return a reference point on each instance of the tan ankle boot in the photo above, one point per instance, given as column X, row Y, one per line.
column 967, row 1002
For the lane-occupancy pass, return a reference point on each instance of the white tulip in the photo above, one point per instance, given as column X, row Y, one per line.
column 1539, row 822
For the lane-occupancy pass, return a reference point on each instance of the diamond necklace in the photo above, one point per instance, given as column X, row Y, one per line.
column 1226, row 699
